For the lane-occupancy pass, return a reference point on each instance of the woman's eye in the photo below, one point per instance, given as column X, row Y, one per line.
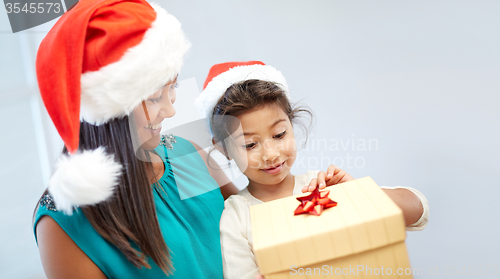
column 250, row 145
column 279, row 136
column 154, row 101
column 175, row 85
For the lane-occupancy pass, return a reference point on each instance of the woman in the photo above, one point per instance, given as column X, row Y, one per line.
column 119, row 205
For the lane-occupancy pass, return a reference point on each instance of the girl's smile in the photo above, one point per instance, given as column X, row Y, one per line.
column 274, row 169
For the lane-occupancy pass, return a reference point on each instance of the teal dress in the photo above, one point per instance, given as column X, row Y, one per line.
column 188, row 206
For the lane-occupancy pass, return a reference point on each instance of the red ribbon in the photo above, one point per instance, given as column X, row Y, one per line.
column 314, row 203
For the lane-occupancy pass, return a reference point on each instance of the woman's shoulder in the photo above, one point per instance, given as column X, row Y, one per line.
column 75, row 225
column 61, row 256
column 83, row 237
column 74, row 232
column 47, row 207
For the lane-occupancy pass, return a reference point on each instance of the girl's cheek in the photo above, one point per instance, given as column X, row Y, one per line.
column 290, row 145
column 254, row 160
column 235, row 155
column 242, row 163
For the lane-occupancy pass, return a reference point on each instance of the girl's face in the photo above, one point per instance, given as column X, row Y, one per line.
column 151, row 112
column 266, row 147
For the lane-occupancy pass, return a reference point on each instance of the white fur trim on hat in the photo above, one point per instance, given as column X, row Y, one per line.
column 84, row 178
column 219, row 84
column 116, row 89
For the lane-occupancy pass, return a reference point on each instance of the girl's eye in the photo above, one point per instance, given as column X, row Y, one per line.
column 279, row 136
column 250, row 145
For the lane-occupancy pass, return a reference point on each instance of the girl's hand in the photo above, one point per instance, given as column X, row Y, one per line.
column 332, row 176
column 258, row 276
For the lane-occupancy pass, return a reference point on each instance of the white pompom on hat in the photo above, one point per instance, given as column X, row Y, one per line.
column 70, row 186
column 101, row 59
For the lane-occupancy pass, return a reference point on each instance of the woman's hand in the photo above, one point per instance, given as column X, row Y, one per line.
column 258, row 276
column 333, row 175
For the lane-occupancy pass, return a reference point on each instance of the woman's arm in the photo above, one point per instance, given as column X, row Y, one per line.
column 227, row 187
column 60, row 256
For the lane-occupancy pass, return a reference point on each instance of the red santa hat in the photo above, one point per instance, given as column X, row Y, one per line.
column 224, row 75
column 100, row 60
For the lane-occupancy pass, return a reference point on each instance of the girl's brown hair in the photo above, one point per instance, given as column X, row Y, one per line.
column 248, row 95
column 130, row 216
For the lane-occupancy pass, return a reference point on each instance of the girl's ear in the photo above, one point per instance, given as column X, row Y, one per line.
column 221, row 148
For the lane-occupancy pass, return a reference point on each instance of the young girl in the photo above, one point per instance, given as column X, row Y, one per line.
column 265, row 151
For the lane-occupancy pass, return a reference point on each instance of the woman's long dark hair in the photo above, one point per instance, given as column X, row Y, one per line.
column 130, row 215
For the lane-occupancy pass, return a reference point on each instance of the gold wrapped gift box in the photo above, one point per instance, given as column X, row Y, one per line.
column 362, row 237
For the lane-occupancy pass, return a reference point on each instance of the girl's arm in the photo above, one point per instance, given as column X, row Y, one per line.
column 238, row 259
column 60, row 256
column 408, row 202
column 227, row 187
column 414, row 205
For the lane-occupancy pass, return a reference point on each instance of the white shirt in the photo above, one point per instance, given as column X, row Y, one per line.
column 236, row 232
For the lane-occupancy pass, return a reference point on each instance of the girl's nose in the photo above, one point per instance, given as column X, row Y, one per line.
column 270, row 152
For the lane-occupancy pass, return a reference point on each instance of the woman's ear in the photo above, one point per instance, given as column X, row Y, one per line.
column 219, row 145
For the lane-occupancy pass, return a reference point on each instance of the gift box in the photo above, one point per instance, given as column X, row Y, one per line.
column 363, row 236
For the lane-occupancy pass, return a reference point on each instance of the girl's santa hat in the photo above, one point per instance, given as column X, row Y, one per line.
column 100, row 60
column 224, row 75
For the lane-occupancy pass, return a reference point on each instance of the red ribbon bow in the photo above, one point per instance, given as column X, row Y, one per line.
column 314, row 203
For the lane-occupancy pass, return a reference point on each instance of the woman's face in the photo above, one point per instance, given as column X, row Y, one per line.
column 265, row 151
column 151, row 112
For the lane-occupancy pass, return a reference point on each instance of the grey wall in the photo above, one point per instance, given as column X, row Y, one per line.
column 417, row 79
column 421, row 78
